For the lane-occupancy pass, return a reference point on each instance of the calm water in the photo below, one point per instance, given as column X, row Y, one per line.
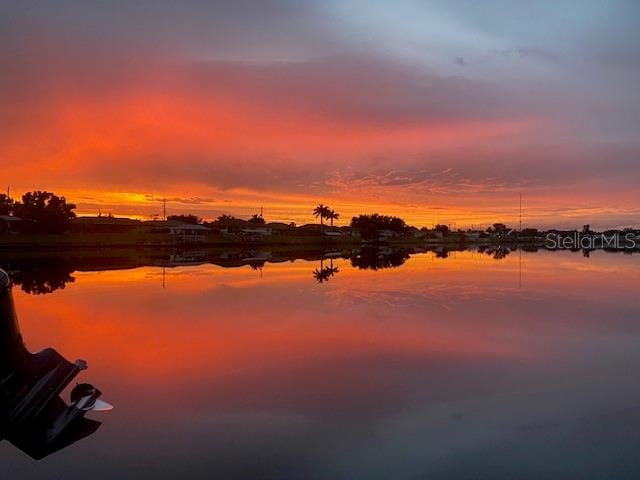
column 460, row 368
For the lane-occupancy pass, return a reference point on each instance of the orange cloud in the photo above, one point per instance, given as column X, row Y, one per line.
column 113, row 132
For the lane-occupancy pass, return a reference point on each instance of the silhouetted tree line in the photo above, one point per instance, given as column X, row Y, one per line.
column 499, row 229
column 190, row 219
column 256, row 220
column 369, row 225
column 444, row 229
column 6, row 204
column 41, row 212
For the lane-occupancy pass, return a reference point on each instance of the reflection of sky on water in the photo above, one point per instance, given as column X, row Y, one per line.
column 442, row 368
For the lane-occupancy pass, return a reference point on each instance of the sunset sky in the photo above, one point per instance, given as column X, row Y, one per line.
column 438, row 111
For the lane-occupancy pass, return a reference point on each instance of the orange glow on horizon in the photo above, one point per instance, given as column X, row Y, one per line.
column 120, row 153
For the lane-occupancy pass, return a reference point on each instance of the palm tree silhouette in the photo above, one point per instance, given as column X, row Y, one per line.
column 321, row 275
column 333, row 270
column 321, row 211
column 333, row 215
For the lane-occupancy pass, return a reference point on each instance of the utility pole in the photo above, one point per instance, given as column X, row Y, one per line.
column 164, row 208
column 520, row 212
column 520, row 265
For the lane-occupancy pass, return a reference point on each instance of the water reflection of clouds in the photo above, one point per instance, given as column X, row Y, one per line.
column 440, row 365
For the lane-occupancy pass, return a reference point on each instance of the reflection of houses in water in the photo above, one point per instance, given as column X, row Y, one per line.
column 240, row 259
column 373, row 258
column 333, row 233
column 257, row 260
column 187, row 257
column 257, row 257
column 246, row 256
column 33, row 416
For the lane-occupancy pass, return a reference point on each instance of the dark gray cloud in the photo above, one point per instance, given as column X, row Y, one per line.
column 358, row 88
column 538, row 53
column 288, row 51
column 230, row 28
column 347, row 87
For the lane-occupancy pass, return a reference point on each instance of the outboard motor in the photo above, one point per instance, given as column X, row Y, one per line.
column 32, row 415
column 9, row 331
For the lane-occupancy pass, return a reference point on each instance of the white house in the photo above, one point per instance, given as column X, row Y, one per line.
column 189, row 233
column 9, row 223
column 386, row 235
column 472, row 236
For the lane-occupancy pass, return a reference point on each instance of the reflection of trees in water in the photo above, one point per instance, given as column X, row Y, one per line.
column 376, row 259
column 42, row 276
column 498, row 252
column 323, row 274
column 257, row 264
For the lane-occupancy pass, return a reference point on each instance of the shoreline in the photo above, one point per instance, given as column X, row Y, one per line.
column 71, row 240
column 290, row 243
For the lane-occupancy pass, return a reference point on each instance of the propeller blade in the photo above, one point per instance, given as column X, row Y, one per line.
column 101, row 406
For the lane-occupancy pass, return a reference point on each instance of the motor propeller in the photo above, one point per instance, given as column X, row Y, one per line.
column 84, row 396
